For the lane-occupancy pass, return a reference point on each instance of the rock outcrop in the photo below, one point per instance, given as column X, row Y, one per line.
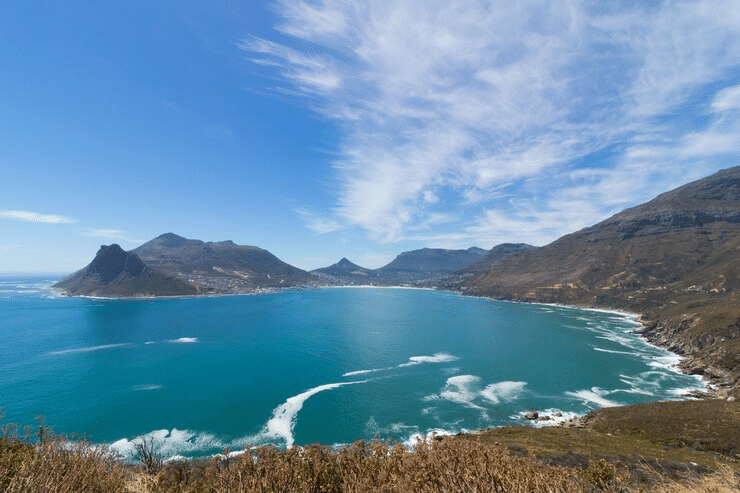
column 115, row 273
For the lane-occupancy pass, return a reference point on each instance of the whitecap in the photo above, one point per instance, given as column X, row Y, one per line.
column 413, row 360
column 553, row 417
column 184, row 340
column 415, row 438
column 284, row 417
column 435, row 358
column 147, row 386
column 363, row 372
column 595, row 396
column 459, row 389
column 88, row 349
column 611, row 351
column 169, row 443
column 503, row 391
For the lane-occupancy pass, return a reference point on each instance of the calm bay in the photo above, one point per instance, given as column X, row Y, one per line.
column 331, row 365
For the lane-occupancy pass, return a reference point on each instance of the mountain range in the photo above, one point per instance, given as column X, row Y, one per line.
column 425, row 264
column 170, row 265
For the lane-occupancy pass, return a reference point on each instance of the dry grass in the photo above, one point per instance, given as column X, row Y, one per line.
column 724, row 481
column 35, row 462
column 437, row 466
column 57, row 466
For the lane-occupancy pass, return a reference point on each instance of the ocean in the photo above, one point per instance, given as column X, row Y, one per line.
column 329, row 366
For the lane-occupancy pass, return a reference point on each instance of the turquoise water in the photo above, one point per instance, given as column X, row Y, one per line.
column 329, row 366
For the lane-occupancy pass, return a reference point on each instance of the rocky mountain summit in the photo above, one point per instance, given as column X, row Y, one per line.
column 221, row 266
column 114, row 273
column 430, row 262
column 675, row 260
column 171, row 265
column 344, row 268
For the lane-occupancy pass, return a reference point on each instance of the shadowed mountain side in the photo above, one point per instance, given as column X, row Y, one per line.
column 495, row 254
column 344, row 268
column 208, row 264
column 431, row 261
column 115, row 273
column 426, row 264
column 675, row 259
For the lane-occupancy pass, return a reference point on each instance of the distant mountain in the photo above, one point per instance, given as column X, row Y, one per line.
column 675, row 259
column 115, row 273
column 429, row 262
column 223, row 265
column 497, row 253
column 344, row 268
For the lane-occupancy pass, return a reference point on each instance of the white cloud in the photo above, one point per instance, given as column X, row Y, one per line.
column 486, row 110
column 35, row 217
column 317, row 224
column 727, row 99
column 110, row 234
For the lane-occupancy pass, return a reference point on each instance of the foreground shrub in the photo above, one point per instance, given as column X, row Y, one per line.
column 436, row 466
column 58, row 466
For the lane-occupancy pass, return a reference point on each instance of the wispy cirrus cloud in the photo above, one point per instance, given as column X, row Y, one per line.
column 36, row 217
column 111, row 234
column 523, row 120
column 316, row 223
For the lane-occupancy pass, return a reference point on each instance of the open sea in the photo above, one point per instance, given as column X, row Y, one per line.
column 330, row 366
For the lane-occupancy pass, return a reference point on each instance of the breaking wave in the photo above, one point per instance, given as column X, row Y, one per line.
column 413, row 360
column 90, row 348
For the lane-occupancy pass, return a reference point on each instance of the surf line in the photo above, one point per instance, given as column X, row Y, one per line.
column 284, row 417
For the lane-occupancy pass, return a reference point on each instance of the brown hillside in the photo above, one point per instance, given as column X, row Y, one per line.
column 675, row 260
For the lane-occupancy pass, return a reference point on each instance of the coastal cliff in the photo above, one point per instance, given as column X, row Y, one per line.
column 675, row 260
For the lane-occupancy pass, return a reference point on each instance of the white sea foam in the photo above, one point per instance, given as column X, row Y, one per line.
column 372, row 428
column 611, row 351
column 363, row 372
column 413, row 360
column 436, row 358
column 665, row 362
column 415, row 438
column 169, row 443
column 553, row 417
column 460, row 389
column 147, row 386
column 622, row 340
column 594, row 396
column 503, row 391
column 90, row 348
column 682, row 392
column 284, row 417
column 184, row 340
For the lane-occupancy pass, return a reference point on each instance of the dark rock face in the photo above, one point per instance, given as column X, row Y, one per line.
column 497, row 253
column 431, row 261
column 111, row 261
column 115, row 273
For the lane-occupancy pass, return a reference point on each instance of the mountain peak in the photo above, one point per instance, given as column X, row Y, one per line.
column 111, row 261
column 170, row 240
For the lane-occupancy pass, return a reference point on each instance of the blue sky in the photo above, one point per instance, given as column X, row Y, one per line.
column 325, row 128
